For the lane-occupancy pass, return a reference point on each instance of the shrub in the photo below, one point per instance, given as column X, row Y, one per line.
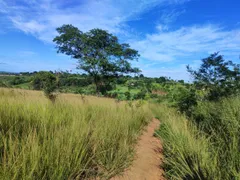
column 183, row 99
column 17, row 80
column 121, row 97
column 47, row 82
column 128, row 95
column 141, row 94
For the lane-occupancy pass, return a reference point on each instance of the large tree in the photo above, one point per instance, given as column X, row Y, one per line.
column 98, row 52
column 218, row 76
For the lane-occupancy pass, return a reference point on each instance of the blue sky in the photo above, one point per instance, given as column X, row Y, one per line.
column 169, row 34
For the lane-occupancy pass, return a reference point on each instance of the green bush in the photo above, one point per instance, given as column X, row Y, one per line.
column 47, row 82
column 128, row 95
column 183, row 99
column 121, row 97
column 141, row 94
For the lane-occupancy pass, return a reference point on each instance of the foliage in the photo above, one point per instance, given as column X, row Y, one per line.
column 3, row 84
column 18, row 80
column 71, row 83
column 121, row 97
column 141, row 94
column 67, row 79
column 98, row 52
column 47, row 82
column 184, row 99
column 219, row 77
column 128, row 95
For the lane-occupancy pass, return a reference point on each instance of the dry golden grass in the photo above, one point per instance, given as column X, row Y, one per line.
column 76, row 137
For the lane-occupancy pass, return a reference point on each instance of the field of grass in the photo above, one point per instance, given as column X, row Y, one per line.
column 207, row 148
column 186, row 151
column 74, row 138
column 87, row 137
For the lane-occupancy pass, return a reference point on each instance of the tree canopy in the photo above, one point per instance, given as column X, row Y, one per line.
column 98, row 52
column 218, row 76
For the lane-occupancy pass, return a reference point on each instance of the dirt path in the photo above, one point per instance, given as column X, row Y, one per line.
column 146, row 165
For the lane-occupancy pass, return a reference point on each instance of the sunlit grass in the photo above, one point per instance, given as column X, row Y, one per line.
column 75, row 137
column 207, row 151
column 186, row 151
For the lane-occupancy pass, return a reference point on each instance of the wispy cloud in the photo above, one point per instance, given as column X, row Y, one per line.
column 170, row 16
column 187, row 42
column 26, row 53
column 40, row 18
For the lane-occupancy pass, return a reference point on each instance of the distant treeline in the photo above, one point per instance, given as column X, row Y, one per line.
column 123, row 87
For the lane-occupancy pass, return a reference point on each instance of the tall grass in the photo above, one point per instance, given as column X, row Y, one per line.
column 70, row 139
column 187, row 153
column 207, row 147
column 221, row 121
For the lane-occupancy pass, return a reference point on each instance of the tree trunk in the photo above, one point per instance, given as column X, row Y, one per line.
column 96, row 82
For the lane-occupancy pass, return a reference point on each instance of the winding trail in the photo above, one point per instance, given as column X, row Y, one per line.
column 146, row 165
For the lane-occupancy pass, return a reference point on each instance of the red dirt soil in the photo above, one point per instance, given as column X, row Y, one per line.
column 146, row 165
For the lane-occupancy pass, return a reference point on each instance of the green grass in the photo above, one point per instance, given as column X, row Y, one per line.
column 74, row 138
column 124, row 89
column 23, row 86
column 186, row 152
column 206, row 148
column 221, row 122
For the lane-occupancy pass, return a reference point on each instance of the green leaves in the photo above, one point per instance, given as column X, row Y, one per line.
column 221, row 78
column 45, row 81
column 98, row 52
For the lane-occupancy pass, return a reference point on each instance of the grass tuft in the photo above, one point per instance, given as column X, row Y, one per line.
column 70, row 139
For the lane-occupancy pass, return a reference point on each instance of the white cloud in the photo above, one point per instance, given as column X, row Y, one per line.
column 31, row 26
column 170, row 16
column 162, row 27
column 41, row 18
column 187, row 42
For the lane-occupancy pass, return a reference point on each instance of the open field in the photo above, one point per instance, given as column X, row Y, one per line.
column 119, row 90
column 73, row 138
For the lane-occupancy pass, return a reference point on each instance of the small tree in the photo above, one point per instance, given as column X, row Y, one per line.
column 221, row 78
column 47, row 82
column 98, row 53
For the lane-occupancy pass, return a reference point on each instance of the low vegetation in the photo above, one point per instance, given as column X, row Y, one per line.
column 122, row 88
column 207, row 148
column 73, row 138
column 187, row 152
column 201, row 136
